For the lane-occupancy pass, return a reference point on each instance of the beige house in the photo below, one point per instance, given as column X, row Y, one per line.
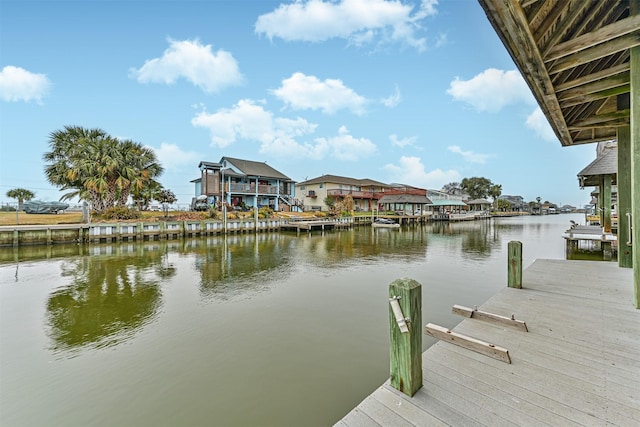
column 314, row 192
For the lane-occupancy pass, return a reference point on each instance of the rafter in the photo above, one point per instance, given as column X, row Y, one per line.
column 604, row 34
column 595, row 52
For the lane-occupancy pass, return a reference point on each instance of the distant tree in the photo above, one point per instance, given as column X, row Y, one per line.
column 452, row 188
column 142, row 197
column 495, row 191
column 166, row 197
column 476, row 188
column 503, row 205
column 97, row 167
column 21, row 194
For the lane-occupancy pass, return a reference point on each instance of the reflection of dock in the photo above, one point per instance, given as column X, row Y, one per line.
column 576, row 365
column 312, row 225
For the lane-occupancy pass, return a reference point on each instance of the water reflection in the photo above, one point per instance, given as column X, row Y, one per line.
column 232, row 265
column 108, row 299
column 478, row 239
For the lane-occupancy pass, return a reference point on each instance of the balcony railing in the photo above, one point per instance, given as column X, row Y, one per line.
column 356, row 194
column 251, row 189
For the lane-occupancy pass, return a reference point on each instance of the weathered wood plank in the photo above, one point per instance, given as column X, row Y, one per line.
column 406, row 408
column 577, row 365
column 470, row 343
column 489, row 317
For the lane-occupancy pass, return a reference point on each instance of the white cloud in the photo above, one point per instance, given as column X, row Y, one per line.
column 411, row 170
column 343, row 146
column 302, row 92
column 491, row 90
column 404, row 142
column 173, row 157
column 278, row 136
column 394, row 99
column 469, row 156
column 358, row 21
column 18, row 84
column 538, row 122
column 193, row 61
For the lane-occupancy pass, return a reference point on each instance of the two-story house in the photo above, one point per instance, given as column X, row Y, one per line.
column 314, row 192
column 243, row 184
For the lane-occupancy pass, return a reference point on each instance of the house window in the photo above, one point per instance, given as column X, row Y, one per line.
column 302, row 187
column 321, row 185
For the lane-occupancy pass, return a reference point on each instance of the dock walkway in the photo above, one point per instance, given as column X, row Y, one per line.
column 578, row 365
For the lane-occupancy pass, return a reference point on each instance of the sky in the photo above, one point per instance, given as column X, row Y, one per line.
column 421, row 93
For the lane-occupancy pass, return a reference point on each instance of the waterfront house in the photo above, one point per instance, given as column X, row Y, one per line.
column 365, row 192
column 244, row 184
column 517, row 203
column 481, row 207
column 445, row 206
column 405, row 200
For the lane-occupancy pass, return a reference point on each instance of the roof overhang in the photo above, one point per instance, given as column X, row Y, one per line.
column 574, row 55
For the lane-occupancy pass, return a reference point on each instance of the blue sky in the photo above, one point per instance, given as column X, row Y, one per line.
column 414, row 92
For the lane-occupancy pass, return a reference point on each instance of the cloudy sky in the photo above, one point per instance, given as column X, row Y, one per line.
column 414, row 92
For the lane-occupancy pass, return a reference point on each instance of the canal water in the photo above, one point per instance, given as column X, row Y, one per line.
column 275, row 329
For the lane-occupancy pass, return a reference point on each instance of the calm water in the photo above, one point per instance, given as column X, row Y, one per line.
column 267, row 330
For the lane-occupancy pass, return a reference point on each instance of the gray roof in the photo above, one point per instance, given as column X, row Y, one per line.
column 604, row 164
column 335, row 179
column 252, row 168
column 478, row 202
column 405, row 198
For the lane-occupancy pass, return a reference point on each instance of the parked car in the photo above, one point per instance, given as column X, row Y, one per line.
column 41, row 207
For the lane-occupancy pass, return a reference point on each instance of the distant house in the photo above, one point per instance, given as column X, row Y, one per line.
column 443, row 204
column 365, row 192
column 517, row 203
column 244, row 184
column 479, row 205
column 406, row 200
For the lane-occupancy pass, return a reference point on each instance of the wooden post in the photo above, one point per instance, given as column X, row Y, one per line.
column 634, row 9
column 514, row 270
column 406, row 347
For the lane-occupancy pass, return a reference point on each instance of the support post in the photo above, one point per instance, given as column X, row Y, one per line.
column 606, row 202
column 624, row 194
column 514, row 269
column 406, row 347
column 634, row 77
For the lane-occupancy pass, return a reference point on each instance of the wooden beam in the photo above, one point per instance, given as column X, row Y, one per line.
column 473, row 313
column 609, row 119
column 612, row 31
column 589, row 78
column 596, row 52
column 595, row 96
column 568, row 23
column 595, row 87
column 469, row 343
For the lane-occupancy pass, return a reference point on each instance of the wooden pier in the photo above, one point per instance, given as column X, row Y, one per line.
column 311, row 225
column 577, row 365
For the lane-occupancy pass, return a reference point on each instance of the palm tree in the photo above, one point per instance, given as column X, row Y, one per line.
column 495, row 191
column 21, row 194
column 97, row 167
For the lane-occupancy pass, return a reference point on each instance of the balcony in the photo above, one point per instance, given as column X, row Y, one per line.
column 356, row 194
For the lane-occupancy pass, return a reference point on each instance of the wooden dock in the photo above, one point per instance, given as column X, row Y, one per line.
column 578, row 364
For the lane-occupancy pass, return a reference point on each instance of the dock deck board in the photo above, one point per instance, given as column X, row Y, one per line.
column 578, row 364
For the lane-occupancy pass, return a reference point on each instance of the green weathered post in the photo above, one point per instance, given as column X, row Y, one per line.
column 405, row 314
column 514, row 270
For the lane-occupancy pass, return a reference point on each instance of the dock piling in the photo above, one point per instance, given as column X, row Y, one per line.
column 514, row 269
column 405, row 314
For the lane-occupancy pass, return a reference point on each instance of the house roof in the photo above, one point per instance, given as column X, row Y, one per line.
column 448, row 202
column 605, row 164
column 575, row 57
column 336, row 179
column 259, row 169
column 405, row 198
column 478, row 202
